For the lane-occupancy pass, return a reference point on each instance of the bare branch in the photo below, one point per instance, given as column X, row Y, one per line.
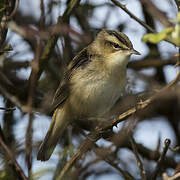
column 156, row 13
column 174, row 177
column 96, row 134
column 139, row 163
column 31, row 88
column 13, row 99
column 151, row 63
column 14, row 10
column 52, row 41
column 7, row 109
column 178, row 4
column 167, row 143
column 10, row 156
column 123, row 7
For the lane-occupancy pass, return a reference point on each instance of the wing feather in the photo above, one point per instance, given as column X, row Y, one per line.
column 63, row 91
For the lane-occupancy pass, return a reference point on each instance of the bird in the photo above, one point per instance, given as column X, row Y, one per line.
column 93, row 82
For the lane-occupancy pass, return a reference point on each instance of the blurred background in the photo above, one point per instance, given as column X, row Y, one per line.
column 38, row 40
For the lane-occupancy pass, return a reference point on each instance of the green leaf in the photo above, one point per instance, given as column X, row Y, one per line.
column 157, row 37
column 2, row 175
column 176, row 35
column 178, row 17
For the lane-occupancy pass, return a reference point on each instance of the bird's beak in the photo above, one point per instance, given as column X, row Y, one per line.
column 133, row 51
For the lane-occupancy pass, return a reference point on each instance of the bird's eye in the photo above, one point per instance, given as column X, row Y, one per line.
column 116, row 46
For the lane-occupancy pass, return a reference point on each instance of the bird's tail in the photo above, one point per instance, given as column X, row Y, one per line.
column 57, row 127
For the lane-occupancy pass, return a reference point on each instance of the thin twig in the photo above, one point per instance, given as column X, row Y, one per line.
column 14, row 10
column 156, row 13
column 148, row 63
column 106, row 157
column 53, row 40
column 178, row 4
column 174, row 177
column 174, row 149
column 123, row 7
column 17, row 168
column 32, row 87
column 167, row 143
column 139, row 163
column 7, row 109
column 71, row 6
column 13, row 99
column 15, row 64
column 28, row 148
column 42, row 17
column 125, row 174
column 96, row 134
column 85, row 146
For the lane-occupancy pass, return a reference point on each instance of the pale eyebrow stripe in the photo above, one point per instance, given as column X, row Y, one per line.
column 118, row 36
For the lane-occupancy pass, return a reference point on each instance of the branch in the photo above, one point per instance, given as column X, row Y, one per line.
column 139, row 163
column 14, row 10
column 96, row 134
column 7, row 109
column 106, row 156
column 124, row 173
column 13, row 99
column 9, row 7
column 53, row 40
column 156, row 13
column 178, row 4
column 174, row 177
column 71, row 6
column 149, row 154
column 149, row 63
column 123, row 7
column 15, row 64
column 12, row 162
column 31, row 94
column 167, row 143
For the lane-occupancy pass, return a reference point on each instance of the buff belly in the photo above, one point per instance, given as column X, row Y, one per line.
column 93, row 97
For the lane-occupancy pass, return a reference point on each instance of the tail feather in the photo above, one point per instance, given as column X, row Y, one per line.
column 57, row 127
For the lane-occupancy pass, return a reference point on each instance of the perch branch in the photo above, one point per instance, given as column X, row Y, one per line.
column 96, row 134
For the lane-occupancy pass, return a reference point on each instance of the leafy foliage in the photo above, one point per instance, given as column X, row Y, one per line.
column 171, row 34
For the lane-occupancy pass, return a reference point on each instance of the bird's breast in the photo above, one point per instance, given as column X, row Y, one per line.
column 94, row 95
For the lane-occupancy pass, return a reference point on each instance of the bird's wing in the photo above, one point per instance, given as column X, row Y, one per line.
column 63, row 90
